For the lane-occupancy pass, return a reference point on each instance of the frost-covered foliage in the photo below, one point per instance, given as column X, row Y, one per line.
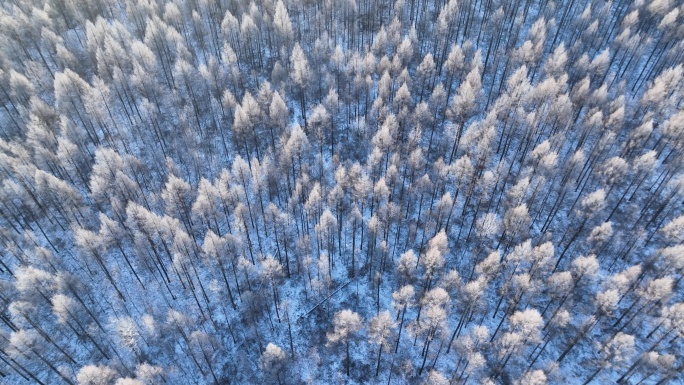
column 319, row 192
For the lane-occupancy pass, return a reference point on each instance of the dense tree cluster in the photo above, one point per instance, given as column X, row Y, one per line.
column 408, row 192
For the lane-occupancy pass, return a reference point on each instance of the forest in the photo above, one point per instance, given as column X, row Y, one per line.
column 291, row 192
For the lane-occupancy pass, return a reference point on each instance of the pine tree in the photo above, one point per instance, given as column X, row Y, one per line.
column 301, row 75
column 380, row 330
column 95, row 375
column 346, row 324
column 273, row 360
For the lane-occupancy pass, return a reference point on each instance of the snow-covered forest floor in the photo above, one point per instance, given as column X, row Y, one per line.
column 322, row 192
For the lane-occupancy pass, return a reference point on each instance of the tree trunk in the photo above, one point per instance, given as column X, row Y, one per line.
column 377, row 367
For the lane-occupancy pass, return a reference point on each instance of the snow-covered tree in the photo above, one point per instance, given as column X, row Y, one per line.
column 380, row 330
column 346, row 324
